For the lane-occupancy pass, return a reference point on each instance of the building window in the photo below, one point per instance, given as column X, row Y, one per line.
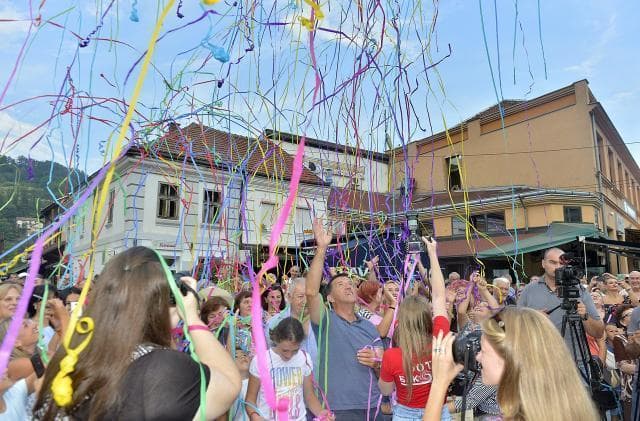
column 453, row 172
column 489, row 222
column 425, row 228
column 495, row 222
column 268, row 216
column 211, row 206
column 573, row 214
column 620, row 178
column 168, row 201
column 601, row 158
column 612, row 167
column 112, row 200
column 458, row 226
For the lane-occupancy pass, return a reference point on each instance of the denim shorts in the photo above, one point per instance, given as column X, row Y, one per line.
column 404, row 413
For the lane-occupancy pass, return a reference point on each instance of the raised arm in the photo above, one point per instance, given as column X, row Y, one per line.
column 224, row 383
column 373, row 267
column 424, row 273
column 314, row 277
column 438, row 295
column 483, row 289
column 387, row 318
column 463, row 311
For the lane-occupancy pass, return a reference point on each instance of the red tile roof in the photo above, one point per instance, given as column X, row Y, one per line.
column 217, row 148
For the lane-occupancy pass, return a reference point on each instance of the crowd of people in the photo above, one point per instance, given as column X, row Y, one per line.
column 340, row 347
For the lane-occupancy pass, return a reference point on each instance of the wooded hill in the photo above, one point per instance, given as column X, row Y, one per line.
column 26, row 187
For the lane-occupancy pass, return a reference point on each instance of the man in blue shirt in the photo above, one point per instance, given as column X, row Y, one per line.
column 349, row 365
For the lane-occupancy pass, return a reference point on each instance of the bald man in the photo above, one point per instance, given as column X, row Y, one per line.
column 542, row 295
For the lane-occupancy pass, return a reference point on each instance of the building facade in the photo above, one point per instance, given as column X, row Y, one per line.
column 519, row 167
column 201, row 197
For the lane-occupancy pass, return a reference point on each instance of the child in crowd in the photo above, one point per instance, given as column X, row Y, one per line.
column 14, row 396
column 291, row 370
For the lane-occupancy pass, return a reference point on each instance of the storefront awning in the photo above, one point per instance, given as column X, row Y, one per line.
column 625, row 248
column 557, row 234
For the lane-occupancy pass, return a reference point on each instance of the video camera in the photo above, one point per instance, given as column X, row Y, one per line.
column 414, row 242
column 568, row 282
column 465, row 349
column 184, row 288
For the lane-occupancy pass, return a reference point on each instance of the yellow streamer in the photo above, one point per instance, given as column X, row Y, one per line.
column 63, row 388
column 317, row 15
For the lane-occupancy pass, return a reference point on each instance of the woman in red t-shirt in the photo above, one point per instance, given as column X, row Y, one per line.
column 417, row 324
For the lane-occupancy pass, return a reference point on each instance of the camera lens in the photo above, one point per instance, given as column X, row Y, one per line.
column 465, row 349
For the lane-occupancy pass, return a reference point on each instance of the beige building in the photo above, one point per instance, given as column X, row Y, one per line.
column 531, row 169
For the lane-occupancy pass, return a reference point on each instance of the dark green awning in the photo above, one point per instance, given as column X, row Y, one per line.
column 557, row 234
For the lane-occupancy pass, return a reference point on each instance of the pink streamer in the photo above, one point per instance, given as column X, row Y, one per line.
column 281, row 406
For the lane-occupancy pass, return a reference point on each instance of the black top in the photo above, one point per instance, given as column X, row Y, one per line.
column 162, row 385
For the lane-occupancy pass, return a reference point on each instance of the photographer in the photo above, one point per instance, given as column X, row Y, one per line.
column 523, row 354
column 542, row 295
column 120, row 364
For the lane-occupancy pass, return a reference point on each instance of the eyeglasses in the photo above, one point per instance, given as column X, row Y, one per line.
column 626, row 315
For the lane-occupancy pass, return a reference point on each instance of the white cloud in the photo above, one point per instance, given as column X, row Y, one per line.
column 9, row 12
column 12, row 129
column 598, row 51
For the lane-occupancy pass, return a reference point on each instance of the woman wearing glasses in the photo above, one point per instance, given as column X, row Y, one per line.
column 525, row 356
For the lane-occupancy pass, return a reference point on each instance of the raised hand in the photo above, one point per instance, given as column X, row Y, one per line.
column 373, row 262
column 430, row 243
column 323, row 237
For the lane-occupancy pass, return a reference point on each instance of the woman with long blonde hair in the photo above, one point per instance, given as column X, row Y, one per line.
column 525, row 356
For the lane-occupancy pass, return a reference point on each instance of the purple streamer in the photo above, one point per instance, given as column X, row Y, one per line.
column 34, row 267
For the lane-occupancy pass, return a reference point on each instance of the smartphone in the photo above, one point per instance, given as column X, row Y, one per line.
column 38, row 365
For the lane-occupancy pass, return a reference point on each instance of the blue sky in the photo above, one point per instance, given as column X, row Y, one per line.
column 268, row 80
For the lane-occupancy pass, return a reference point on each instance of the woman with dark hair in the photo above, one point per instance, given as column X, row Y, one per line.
column 290, row 369
column 122, row 365
column 242, row 310
column 242, row 304
column 272, row 301
column 213, row 313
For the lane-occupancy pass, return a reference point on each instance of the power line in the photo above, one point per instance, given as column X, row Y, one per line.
column 514, row 153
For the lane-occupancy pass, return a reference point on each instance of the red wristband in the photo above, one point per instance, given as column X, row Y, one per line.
column 191, row 328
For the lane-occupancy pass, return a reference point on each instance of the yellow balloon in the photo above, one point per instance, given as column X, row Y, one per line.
column 210, row 2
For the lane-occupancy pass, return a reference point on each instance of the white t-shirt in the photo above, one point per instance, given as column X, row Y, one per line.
column 287, row 377
column 15, row 400
column 238, row 411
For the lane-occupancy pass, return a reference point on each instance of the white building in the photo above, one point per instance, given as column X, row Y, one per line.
column 198, row 195
column 30, row 225
column 339, row 165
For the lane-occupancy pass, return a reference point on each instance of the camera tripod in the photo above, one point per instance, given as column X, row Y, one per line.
column 587, row 366
column 578, row 339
